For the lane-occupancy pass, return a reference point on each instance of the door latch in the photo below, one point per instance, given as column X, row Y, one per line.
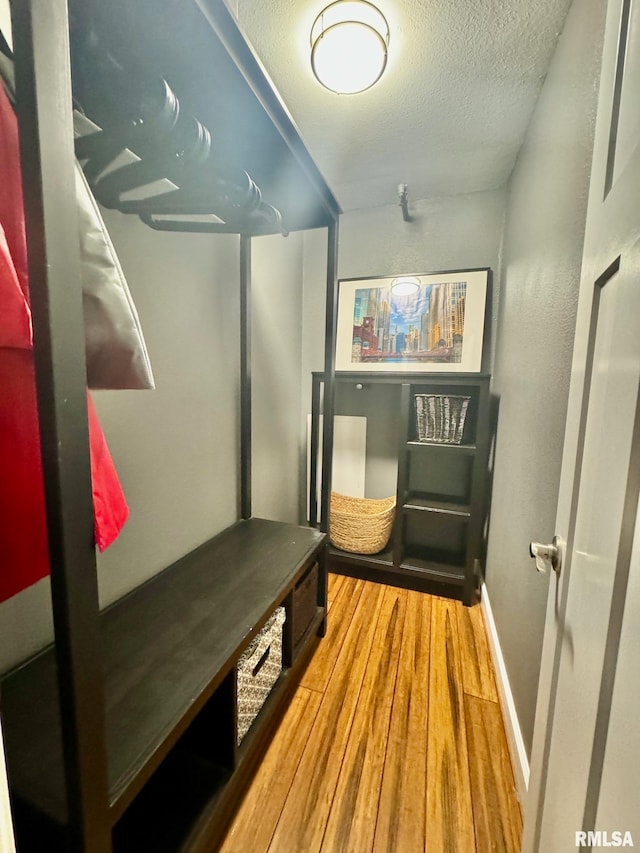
column 548, row 556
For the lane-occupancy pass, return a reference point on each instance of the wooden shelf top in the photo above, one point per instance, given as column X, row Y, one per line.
column 433, row 569
column 166, row 647
column 452, row 378
column 427, row 503
column 457, row 448
column 384, row 558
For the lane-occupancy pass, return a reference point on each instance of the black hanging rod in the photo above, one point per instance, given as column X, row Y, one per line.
column 267, row 221
column 146, row 155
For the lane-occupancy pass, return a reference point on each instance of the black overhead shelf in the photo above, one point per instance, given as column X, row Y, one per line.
column 166, row 647
column 198, row 47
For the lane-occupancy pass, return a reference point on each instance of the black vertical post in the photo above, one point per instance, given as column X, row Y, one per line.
column 245, row 376
column 403, row 476
column 41, row 42
column 329, row 371
column 322, row 589
column 313, row 449
column 475, row 533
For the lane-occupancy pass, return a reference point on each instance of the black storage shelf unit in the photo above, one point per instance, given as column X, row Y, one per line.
column 438, row 540
column 169, row 655
column 123, row 734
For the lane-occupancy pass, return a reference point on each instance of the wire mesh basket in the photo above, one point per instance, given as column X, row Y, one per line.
column 440, row 417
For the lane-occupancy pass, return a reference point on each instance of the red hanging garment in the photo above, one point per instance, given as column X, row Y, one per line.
column 24, row 556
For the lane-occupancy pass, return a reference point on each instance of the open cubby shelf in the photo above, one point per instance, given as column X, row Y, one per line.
column 169, row 654
column 415, row 571
column 438, row 560
column 441, row 488
column 425, row 502
column 185, row 785
column 436, row 564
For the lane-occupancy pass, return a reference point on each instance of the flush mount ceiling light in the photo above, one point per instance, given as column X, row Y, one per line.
column 349, row 42
column 405, row 285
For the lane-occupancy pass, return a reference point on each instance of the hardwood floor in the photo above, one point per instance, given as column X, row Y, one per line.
column 394, row 740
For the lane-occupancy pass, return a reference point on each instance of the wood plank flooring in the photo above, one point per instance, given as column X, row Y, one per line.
column 394, row 740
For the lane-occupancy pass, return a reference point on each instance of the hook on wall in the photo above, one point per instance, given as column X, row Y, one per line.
column 403, row 195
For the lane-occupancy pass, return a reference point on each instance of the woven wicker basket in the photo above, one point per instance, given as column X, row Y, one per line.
column 360, row 525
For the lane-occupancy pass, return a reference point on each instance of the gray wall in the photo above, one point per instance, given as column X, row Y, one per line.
column 546, row 210
column 176, row 449
column 457, row 232
column 453, row 232
column 446, row 233
column 276, row 379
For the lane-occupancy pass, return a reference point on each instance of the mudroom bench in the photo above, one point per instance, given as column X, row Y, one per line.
column 171, row 648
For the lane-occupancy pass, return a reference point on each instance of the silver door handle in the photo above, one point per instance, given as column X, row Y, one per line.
column 548, row 556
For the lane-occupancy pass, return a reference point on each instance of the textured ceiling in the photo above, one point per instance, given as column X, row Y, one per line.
column 450, row 112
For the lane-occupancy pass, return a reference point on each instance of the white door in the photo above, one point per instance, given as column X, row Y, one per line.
column 585, row 769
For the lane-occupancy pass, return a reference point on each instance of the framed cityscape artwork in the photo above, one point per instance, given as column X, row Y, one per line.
column 422, row 323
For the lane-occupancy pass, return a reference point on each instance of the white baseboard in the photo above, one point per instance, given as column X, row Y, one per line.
column 517, row 748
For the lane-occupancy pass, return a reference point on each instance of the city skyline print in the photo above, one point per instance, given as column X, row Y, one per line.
column 426, row 326
column 438, row 327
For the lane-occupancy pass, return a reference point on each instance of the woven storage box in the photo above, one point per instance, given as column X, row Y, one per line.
column 305, row 604
column 440, row 417
column 360, row 525
column 258, row 670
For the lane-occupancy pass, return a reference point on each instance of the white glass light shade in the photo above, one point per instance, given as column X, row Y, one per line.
column 349, row 46
column 405, row 285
